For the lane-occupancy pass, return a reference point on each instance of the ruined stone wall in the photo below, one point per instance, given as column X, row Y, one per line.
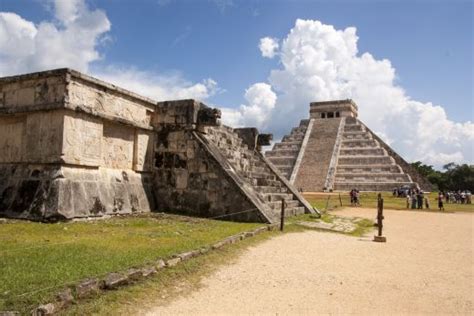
column 189, row 180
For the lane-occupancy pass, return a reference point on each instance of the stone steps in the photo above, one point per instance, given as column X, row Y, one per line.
column 373, row 187
column 362, row 152
column 253, row 170
column 369, row 168
column 365, row 160
column 359, row 143
column 282, row 153
column 372, row 178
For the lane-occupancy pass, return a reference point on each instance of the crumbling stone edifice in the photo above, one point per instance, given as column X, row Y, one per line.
column 334, row 150
column 74, row 146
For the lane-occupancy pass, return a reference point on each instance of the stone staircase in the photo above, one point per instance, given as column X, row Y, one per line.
column 250, row 167
column 284, row 154
column 317, row 155
column 365, row 165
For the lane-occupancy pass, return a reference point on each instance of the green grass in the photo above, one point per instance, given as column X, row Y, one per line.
column 166, row 285
column 369, row 199
column 362, row 225
column 37, row 259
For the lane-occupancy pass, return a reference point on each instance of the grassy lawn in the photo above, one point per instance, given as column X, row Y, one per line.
column 168, row 284
column 369, row 199
column 37, row 260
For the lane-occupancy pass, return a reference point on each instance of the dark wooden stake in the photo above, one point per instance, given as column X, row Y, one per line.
column 380, row 217
column 282, row 220
column 340, row 199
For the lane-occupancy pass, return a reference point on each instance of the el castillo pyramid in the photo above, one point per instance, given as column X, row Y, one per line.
column 334, row 151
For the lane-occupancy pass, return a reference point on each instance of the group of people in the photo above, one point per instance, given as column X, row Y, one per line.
column 355, row 197
column 460, row 197
column 416, row 199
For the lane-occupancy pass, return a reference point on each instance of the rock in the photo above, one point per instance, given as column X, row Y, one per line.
column 65, row 297
column 249, row 234
column 134, row 274
column 160, row 264
column 260, row 230
column 148, row 271
column 114, row 280
column 188, row 255
column 218, row 245
column 47, row 309
column 172, row 262
column 87, row 288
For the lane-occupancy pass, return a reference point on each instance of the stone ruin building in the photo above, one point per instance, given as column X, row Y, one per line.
column 74, row 146
column 334, row 150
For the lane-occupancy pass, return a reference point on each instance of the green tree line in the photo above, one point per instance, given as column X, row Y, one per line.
column 453, row 177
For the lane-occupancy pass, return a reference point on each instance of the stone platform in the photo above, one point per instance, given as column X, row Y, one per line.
column 74, row 146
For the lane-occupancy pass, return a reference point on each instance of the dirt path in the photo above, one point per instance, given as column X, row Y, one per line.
column 425, row 267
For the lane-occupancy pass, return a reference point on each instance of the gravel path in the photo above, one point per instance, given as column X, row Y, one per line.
column 425, row 267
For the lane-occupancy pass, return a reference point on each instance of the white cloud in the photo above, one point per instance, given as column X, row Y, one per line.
column 268, row 47
column 321, row 63
column 157, row 87
column 69, row 42
column 72, row 40
column 261, row 101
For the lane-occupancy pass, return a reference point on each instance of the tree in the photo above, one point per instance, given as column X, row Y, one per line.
column 455, row 177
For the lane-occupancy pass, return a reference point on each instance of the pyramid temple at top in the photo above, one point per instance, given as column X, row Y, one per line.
column 334, row 150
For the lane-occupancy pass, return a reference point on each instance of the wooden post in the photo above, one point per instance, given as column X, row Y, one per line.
column 282, row 220
column 380, row 217
column 340, row 199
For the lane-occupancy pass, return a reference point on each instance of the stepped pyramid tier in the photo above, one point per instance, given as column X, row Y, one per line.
column 334, row 150
column 74, row 146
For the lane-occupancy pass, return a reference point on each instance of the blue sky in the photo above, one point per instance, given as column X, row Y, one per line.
column 429, row 45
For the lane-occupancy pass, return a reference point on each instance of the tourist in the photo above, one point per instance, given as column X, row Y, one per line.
column 419, row 198
column 357, row 197
column 468, row 197
column 440, row 201
column 408, row 200
column 414, row 200
column 427, row 203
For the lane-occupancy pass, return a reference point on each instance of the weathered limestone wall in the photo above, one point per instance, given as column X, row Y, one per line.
column 43, row 90
column 73, row 146
column 187, row 178
column 51, row 192
column 190, row 181
column 34, row 138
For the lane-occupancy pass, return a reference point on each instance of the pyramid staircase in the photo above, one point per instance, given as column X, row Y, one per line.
column 256, row 176
column 285, row 154
column 364, row 164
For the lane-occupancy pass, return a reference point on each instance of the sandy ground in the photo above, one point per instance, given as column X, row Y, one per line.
column 426, row 266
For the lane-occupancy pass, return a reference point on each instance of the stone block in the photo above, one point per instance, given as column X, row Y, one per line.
column 47, row 309
column 160, row 264
column 148, row 271
column 134, row 274
column 173, row 262
column 87, row 288
column 188, row 255
column 114, row 280
column 65, row 297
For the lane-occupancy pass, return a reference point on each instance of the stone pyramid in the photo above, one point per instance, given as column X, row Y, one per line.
column 334, row 150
